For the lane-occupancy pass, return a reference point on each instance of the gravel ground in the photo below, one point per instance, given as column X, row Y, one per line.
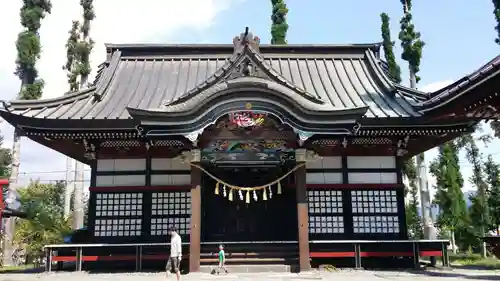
column 343, row 275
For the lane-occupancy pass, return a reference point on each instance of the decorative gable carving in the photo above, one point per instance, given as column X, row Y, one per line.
column 246, row 39
column 245, row 67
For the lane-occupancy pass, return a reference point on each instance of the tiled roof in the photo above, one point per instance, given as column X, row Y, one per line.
column 459, row 87
column 149, row 76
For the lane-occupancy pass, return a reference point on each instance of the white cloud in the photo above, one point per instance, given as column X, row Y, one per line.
column 116, row 22
column 436, row 86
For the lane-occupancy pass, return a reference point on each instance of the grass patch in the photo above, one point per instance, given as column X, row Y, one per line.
column 14, row 268
column 474, row 260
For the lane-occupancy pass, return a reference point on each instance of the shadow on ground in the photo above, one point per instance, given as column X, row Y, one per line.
column 473, row 273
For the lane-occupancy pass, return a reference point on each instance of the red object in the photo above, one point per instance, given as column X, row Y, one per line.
column 332, row 254
column 2, row 205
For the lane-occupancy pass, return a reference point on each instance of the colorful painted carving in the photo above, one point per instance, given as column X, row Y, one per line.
column 248, row 150
column 247, row 146
column 246, row 119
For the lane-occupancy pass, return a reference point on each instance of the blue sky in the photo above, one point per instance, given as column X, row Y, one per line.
column 459, row 36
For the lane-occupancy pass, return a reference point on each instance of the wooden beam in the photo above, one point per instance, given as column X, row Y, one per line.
column 302, row 218
column 194, row 241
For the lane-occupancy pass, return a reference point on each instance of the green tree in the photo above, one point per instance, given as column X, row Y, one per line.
column 28, row 52
column 388, row 45
column 86, row 44
column 83, row 51
column 71, row 57
column 495, row 125
column 492, row 171
column 449, row 196
column 5, row 160
column 45, row 223
column 413, row 220
column 496, row 13
column 279, row 25
column 411, row 43
column 479, row 211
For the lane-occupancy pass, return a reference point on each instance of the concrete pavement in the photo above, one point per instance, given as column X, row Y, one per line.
column 341, row 275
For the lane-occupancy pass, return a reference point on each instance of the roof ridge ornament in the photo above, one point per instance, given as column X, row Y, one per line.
column 245, row 40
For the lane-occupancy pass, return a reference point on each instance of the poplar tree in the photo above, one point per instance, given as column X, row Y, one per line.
column 72, row 75
column 83, row 50
column 29, row 49
column 388, row 46
column 496, row 13
column 495, row 125
column 449, row 196
column 492, row 171
column 479, row 211
column 411, row 43
column 71, row 57
column 412, row 47
column 413, row 221
column 279, row 25
column 86, row 44
column 28, row 52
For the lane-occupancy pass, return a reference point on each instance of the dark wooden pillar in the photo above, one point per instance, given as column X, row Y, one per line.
column 194, row 241
column 302, row 212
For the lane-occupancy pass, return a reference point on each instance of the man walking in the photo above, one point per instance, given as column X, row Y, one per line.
column 175, row 252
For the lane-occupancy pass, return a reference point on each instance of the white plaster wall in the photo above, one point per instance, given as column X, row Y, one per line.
column 121, row 180
column 162, row 179
column 114, row 165
column 373, row 178
column 323, row 178
column 334, row 162
column 169, row 164
column 371, row 162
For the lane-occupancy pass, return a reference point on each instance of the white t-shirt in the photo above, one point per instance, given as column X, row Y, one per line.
column 175, row 245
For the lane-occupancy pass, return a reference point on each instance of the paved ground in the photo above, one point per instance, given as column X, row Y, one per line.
column 343, row 275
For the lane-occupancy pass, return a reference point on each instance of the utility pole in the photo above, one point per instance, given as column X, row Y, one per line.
column 412, row 53
column 423, row 185
column 68, row 192
column 78, row 200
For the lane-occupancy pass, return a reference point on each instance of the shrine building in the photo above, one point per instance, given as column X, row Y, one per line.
column 252, row 144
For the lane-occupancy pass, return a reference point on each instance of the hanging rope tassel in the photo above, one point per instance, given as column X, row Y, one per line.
column 247, row 199
column 255, row 196
column 240, row 194
column 270, row 192
column 264, row 195
column 230, row 195
column 224, row 191
column 279, row 188
column 216, row 191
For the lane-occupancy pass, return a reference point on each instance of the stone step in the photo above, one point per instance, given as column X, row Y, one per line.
column 249, row 260
column 249, row 268
column 252, row 255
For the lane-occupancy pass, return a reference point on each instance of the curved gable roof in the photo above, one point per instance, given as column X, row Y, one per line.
column 147, row 77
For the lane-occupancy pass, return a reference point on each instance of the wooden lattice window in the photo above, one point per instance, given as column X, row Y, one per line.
column 375, row 211
column 117, row 227
column 118, row 214
column 325, row 211
column 118, row 204
column 170, row 209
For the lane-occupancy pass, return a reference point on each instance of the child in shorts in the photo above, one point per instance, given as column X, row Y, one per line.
column 222, row 259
